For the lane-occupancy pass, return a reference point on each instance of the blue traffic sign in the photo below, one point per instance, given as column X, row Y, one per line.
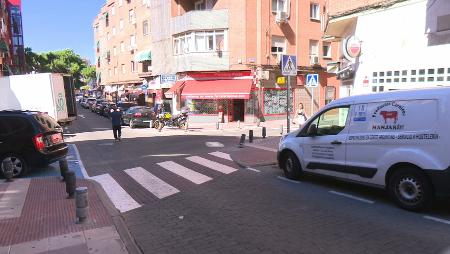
column 312, row 80
column 288, row 65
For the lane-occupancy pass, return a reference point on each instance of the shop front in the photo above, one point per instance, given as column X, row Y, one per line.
column 218, row 96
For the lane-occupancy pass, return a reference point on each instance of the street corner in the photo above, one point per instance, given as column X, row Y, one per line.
column 249, row 156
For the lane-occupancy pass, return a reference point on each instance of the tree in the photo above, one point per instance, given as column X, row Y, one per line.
column 60, row 61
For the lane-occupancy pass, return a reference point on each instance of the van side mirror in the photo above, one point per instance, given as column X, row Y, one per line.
column 312, row 130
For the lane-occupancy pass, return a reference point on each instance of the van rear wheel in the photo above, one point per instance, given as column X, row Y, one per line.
column 291, row 166
column 410, row 189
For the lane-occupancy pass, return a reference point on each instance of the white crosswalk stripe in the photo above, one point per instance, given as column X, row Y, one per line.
column 118, row 196
column 184, row 172
column 222, row 155
column 150, row 182
column 211, row 164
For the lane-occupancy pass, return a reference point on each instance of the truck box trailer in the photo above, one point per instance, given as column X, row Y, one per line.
column 46, row 92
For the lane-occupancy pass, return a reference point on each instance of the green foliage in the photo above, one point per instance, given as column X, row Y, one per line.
column 60, row 61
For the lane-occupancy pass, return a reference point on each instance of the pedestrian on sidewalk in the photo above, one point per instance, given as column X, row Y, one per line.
column 116, row 119
column 300, row 116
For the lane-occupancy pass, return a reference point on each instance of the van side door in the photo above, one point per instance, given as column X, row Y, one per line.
column 324, row 142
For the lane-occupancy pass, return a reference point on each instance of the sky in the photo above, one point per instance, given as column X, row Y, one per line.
column 60, row 24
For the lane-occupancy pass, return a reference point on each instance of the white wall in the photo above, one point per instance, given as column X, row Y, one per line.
column 395, row 40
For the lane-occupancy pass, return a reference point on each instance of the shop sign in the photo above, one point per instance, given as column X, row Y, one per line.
column 168, row 78
column 352, row 47
column 281, row 80
column 221, row 75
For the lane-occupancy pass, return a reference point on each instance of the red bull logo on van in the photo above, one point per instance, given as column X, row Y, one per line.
column 387, row 115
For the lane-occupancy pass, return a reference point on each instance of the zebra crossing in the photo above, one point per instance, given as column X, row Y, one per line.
column 157, row 187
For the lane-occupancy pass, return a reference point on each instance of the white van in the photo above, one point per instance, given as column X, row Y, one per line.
column 394, row 140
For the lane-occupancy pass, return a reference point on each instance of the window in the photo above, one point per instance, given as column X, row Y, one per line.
column 115, row 51
column 389, row 73
column 430, row 79
column 448, row 70
column 421, row 79
column 275, row 101
column 404, row 80
column 441, row 71
column 314, row 11
column 404, row 72
column 131, row 17
column 413, row 79
column 382, row 74
column 396, row 73
column 443, row 23
column 413, row 72
column 200, row 41
column 146, row 66
column 123, row 68
column 121, row 24
column 122, row 46
column 381, row 89
column 388, row 80
column 430, row 71
column 448, row 78
column 133, row 41
column 145, row 27
column 120, row 2
column 280, row 5
column 375, row 74
column 422, row 72
column 396, row 80
column 374, row 89
column 313, row 48
column 133, row 66
column 200, row 5
column 326, row 50
column 374, row 80
column 331, row 122
column 440, row 79
column 381, row 80
column 278, row 44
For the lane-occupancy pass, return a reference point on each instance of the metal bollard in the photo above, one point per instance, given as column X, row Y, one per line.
column 217, row 125
column 186, row 127
column 81, row 204
column 8, row 168
column 264, row 132
column 63, row 168
column 239, row 124
column 71, row 183
column 250, row 136
column 241, row 142
column 281, row 130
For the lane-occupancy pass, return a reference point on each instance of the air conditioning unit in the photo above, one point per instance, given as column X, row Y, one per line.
column 281, row 17
column 313, row 60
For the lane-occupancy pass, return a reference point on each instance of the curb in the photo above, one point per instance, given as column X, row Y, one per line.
column 244, row 165
column 119, row 223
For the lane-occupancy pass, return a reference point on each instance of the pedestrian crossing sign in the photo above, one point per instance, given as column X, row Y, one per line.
column 312, row 80
column 289, row 65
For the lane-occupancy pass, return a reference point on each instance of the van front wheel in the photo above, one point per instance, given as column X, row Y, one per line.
column 291, row 166
column 410, row 189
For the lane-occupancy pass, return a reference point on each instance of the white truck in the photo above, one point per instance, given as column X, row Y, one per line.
column 46, row 92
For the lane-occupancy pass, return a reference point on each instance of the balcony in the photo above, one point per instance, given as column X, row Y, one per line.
column 203, row 61
column 200, row 20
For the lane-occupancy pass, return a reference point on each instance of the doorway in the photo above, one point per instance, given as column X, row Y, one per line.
column 238, row 109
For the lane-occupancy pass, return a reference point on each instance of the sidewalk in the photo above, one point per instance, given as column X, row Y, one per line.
column 261, row 152
column 36, row 217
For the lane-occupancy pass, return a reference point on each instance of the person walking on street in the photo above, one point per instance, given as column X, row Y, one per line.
column 300, row 116
column 116, row 119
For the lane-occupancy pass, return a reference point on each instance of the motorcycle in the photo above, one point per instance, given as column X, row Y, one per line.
column 166, row 119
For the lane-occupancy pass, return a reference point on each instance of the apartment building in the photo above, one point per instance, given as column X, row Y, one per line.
column 225, row 56
column 390, row 44
column 12, row 56
column 123, row 49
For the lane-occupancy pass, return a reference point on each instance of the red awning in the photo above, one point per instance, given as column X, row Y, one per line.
column 174, row 89
column 218, row 89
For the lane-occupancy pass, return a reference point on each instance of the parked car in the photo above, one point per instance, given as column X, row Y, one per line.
column 29, row 139
column 82, row 101
column 89, row 101
column 78, row 98
column 94, row 105
column 395, row 140
column 107, row 109
column 135, row 116
column 124, row 106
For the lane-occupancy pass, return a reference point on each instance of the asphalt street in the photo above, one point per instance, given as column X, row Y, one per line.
column 182, row 194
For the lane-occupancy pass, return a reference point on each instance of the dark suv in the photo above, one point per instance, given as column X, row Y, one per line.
column 29, row 139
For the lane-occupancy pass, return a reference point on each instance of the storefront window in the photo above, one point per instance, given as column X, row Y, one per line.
column 251, row 107
column 275, row 101
column 201, row 106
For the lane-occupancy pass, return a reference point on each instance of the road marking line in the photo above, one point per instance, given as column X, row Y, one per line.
column 214, row 144
column 437, row 219
column 212, row 165
column 13, row 198
column 222, row 155
column 166, row 155
column 352, row 197
column 288, row 180
column 262, row 148
column 150, row 182
column 184, row 172
column 118, row 196
column 252, row 169
column 77, row 154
